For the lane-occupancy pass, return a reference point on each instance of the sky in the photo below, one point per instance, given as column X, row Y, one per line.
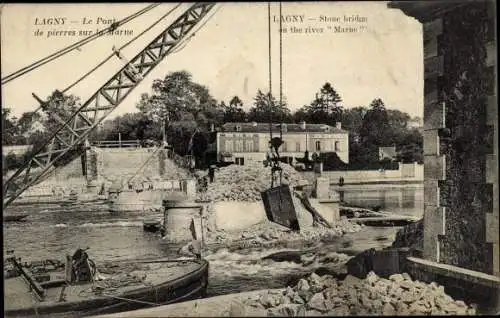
column 382, row 58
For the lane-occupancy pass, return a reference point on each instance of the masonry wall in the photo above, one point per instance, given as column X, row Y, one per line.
column 131, row 164
column 410, row 172
column 460, row 140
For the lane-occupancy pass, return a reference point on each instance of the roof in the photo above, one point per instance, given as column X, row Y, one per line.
column 264, row 127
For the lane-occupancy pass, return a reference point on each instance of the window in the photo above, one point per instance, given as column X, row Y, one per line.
column 249, row 146
column 337, row 146
column 318, row 145
column 238, row 146
column 297, row 146
column 229, row 145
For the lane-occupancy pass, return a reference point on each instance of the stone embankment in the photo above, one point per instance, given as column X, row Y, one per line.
column 327, row 296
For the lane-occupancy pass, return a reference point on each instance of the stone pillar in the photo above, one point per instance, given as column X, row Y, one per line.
column 492, row 215
column 322, row 188
column 189, row 188
column 458, row 141
column 92, row 167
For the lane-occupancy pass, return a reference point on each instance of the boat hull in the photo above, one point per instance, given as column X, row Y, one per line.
column 189, row 286
column 14, row 217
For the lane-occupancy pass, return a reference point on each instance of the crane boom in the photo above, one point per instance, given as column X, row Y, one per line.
column 72, row 132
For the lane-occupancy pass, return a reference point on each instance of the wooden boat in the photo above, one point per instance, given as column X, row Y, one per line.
column 118, row 286
column 15, row 217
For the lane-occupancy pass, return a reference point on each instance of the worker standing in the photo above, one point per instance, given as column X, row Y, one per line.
column 211, row 173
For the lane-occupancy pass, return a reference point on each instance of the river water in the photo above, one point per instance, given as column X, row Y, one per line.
column 52, row 231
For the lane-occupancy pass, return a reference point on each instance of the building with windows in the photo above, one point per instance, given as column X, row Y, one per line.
column 250, row 141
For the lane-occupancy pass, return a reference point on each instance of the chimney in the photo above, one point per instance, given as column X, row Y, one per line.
column 338, row 125
column 303, row 124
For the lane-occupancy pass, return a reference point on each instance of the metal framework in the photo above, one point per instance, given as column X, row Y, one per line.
column 73, row 131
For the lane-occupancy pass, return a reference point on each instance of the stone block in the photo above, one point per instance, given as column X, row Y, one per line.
column 434, row 115
column 386, row 263
column 492, row 110
column 189, row 188
column 491, row 54
column 434, row 167
column 432, row 28
column 322, row 188
column 492, row 228
column 496, row 259
column 431, row 90
column 444, row 192
column 433, row 66
column 431, row 47
column 431, row 193
column 431, row 142
column 434, row 225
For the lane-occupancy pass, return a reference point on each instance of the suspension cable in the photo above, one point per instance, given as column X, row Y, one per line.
column 74, row 46
column 121, row 48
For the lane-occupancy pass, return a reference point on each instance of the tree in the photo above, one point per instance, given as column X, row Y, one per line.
column 325, row 108
column 352, row 118
column 375, row 128
column 27, row 121
column 176, row 95
column 9, row 128
column 267, row 108
column 234, row 111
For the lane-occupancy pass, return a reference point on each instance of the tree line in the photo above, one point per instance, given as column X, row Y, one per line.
column 177, row 106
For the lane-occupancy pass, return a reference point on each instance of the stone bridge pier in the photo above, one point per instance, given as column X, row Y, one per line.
column 461, row 214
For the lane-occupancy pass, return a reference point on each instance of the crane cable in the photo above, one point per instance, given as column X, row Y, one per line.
column 113, row 54
column 121, row 48
column 74, row 46
column 276, row 165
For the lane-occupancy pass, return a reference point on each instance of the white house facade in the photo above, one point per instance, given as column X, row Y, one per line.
column 250, row 141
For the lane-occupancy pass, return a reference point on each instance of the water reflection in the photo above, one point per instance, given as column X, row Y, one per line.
column 400, row 199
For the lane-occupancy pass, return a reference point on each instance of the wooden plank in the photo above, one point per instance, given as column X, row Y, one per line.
column 35, row 286
column 433, row 66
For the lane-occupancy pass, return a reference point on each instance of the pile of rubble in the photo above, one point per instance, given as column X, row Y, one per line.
column 327, row 296
column 245, row 183
column 267, row 232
